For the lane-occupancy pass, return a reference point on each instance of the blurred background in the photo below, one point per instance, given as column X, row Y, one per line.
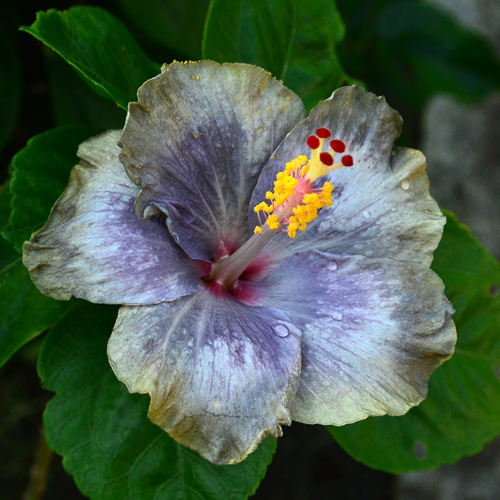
column 453, row 117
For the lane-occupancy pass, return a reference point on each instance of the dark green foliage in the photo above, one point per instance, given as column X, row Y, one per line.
column 99, row 47
column 172, row 23
column 410, row 49
column 293, row 39
column 24, row 311
column 10, row 75
column 40, row 174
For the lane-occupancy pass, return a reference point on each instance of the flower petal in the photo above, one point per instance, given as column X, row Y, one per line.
column 196, row 142
column 220, row 379
column 373, row 332
column 94, row 246
column 381, row 205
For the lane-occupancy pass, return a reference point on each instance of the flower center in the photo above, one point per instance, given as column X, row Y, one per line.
column 293, row 204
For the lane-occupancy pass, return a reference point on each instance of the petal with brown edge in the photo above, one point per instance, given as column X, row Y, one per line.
column 373, row 332
column 95, row 247
column 221, row 375
column 381, row 205
column 196, row 142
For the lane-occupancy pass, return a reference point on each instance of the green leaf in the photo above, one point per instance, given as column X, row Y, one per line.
column 462, row 412
column 108, row 444
column 40, row 172
column 293, row 39
column 174, row 24
column 397, row 46
column 73, row 101
column 24, row 311
column 314, row 70
column 10, row 73
column 99, row 47
column 252, row 31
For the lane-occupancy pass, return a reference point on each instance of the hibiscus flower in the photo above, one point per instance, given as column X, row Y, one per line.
column 272, row 266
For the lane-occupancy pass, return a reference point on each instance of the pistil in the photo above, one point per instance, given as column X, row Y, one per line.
column 293, row 204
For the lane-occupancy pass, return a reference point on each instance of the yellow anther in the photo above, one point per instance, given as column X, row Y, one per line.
column 306, row 201
column 257, row 230
column 264, row 207
column 272, row 221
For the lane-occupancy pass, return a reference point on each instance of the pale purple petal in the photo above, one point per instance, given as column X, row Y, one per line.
column 373, row 332
column 95, row 247
column 221, row 375
column 196, row 142
column 381, row 205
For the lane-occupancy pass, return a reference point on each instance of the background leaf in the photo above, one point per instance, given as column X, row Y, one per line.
column 462, row 412
column 99, row 47
column 408, row 50
column 293, row 39
column 73, row 101
column 40, row 172
column 314, row 70
column 259, row 32
column 24, row 311
column 109, row 445
column 174, row 24
column 10, row 74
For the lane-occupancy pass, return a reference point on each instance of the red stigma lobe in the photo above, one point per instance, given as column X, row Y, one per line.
column 313, row 142
column 323, row 133
column 337, row 146
column 347, row 161
column 326, row 158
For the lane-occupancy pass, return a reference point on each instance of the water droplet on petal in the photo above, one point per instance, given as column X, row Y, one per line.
column 420, row 450
column 366, row 214
column 337, row 316
column 332, row 265
column 281, row 330
column 405, row 185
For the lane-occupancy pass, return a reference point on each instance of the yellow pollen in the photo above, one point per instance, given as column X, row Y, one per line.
column 306, row 201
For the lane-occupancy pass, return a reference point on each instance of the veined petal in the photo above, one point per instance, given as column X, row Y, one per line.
column 381, row 205
column 196, row 142
column 95, row 247
column 373, row 332
column 221, row 375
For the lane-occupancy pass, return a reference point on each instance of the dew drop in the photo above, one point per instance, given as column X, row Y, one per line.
column 366, row 214
column 420, row 450
column 332, row 265
column 337, row 316
column 393, row 209
column 281, row 330
column 405, row 185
